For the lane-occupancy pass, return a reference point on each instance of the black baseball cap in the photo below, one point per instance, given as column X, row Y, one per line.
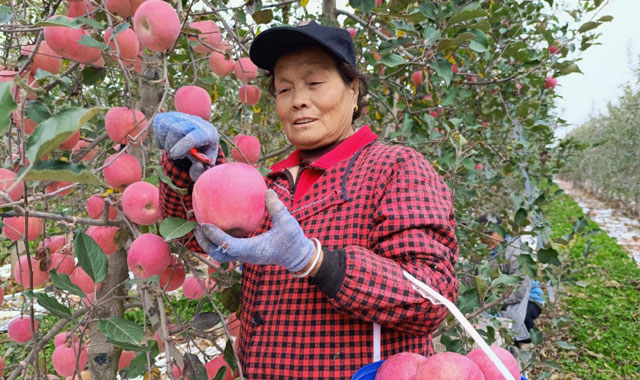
column 274, row 42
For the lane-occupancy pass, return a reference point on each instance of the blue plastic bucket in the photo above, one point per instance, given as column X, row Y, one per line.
column 367, row 372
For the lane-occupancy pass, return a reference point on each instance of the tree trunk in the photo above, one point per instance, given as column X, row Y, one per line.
column 103, row 356
column 329, row 16
column 150, row 97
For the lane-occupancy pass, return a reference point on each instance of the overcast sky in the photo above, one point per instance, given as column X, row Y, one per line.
column 606, row 67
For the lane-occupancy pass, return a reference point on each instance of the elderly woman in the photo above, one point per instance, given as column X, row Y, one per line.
column 346, row 215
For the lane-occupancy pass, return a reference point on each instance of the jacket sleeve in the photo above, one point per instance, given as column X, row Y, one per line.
column 175, row 198
column 413, row 230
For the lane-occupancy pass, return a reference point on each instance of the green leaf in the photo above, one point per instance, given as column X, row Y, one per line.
column 565, row 345
column 7, row 105
column 430, row 35
column 449, row 43
column 173, row 228
column 51, row 304
column 587, row 26
column 605, row 19
column 230, row 297
column 129, row 346
column 121, row 330
column 443, row 69
column 138, row 365
column 119, row 29
column 548, row 256
column 536, row 336
column 391, row 60
column 90, row 42
column 74, row 23
column 6, row 14
column 95, row 24
column 36, row 111
column 520, row 217
column 164, row 178
column 398, row 6
column 479, row 44
column 92, row 75
column 466, row 14
column 571, row 68
column 220, row 374
column 580, row 224
column 55, row 130
column 43, row 74
column 264, row 16
column 229, row 357
column 505, row 279
column 364, row 6
column 62, row 171
column 63, row 282
column 90, row 256
column 481, row 285
column 483, row 25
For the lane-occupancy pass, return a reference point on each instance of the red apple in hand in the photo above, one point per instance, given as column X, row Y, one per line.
column 232, row 197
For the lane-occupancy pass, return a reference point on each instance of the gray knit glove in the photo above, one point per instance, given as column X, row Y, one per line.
column 285, row 244
column 177, row 133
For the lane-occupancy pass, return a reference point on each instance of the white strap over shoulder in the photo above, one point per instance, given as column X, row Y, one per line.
column 376, row 342
column 437, row 299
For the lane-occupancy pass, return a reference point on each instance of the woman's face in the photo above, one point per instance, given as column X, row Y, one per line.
column 314, row 104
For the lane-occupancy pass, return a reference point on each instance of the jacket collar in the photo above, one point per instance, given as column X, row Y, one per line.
column 341, row 152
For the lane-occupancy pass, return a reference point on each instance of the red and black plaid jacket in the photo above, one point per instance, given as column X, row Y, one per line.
column 379, row 210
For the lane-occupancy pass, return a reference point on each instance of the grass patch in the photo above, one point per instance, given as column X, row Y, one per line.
column 603, row 302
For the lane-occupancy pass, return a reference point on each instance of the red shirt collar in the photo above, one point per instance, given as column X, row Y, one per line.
column 343, row 151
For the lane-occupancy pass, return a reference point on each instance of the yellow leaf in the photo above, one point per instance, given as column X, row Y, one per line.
column 378, row 116
column 154, row 375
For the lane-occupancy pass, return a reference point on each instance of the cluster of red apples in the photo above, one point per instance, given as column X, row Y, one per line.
column 156, row 26
column 476, row 365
